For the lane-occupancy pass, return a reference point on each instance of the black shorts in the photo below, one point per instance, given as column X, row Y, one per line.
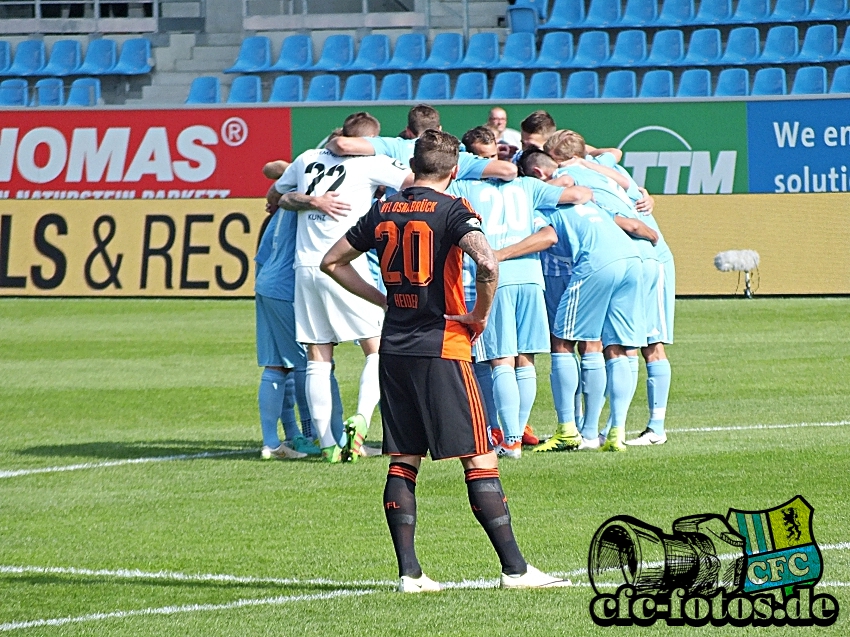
column 431, row 404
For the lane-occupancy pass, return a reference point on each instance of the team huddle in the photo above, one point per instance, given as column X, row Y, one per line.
column 470, row 264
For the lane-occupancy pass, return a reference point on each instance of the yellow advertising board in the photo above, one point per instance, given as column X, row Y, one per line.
column 205, row 247
column 198, row 247
column 803, row 241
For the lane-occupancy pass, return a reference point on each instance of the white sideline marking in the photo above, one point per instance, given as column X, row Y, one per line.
column 799, row 425
column 116, row 463
column 173, row 610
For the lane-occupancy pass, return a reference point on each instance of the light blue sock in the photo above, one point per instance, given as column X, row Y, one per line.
column 270, row 399
column 287, row 411
column 620, row 388
column 565, row 381
column 485, row 381
column 634, row 365
column 336, row 413
column 657, row 391
column 593, row 379
column 506, row 395
column 526, row 380
column 300, row 377
column 577, row 399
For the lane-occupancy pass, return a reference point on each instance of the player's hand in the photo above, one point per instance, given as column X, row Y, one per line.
column 506, row 151
column 475, row 324
column 272, row 200
column 646, row 204
column 564, row 181
column 330, row 204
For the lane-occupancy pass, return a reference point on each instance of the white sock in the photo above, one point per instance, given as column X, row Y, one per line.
column 370, row 391
column 318, row 386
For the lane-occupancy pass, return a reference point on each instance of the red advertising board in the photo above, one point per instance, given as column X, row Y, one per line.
column 140, row 154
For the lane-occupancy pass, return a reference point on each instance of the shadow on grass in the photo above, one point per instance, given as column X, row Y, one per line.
column 228, row 449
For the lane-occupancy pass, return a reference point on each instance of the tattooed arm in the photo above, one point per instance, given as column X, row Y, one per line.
column 486, row 278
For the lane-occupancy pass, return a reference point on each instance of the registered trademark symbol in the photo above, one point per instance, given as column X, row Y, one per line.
column 234, row 131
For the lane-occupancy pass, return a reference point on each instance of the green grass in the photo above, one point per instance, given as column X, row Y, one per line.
column 93, row 381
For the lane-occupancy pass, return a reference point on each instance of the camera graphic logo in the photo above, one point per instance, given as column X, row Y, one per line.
column 754, row 568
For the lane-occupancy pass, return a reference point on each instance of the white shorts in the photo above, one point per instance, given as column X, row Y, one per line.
column 327, row 313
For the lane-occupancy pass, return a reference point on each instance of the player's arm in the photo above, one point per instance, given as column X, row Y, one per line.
column 575, row 195
column 337, row 265
column 541, row 240
column 595, row 152
column 646, row 204
column 344, row 146
column 636, row 228
column 275, row 169
column 620, row 179
column 329, row 203
column 475, row 244
column 499, row 169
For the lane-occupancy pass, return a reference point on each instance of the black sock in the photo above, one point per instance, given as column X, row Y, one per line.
column 400, row 508
column 490, row 507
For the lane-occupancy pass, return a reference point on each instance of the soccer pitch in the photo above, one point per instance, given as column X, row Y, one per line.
column 133, row 500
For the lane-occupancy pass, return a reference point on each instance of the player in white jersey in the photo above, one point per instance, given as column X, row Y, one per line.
column 325, row 313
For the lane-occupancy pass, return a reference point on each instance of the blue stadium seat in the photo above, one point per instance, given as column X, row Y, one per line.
column 539, row 7
column 695, row 83
column 49, row 91
column 471, row 86
column 13, row 92
column 592, row 51
column 323, row 88
column 522, row 20
column 789, row 11
column 446, row 51
column 770, row 81
column 751, row 12
column 482, row 52
column 5, row 56
column 287, row 88
column 520, row 51
column 396, row 87
column 840, row 80
column 29, row 59
column 657, row 83
column 246, row 89
column 742, row 47
column 734, row 82
column 566, row 14
column 704, row 48
column 668, row 49
column 204, row 90
column 65, row 58
column 844, row 52
column 780, row 45
column 556, row 51
column 620, row 84
column 675, row 13
column 602, row 14
column 544, row 85
column 629, row 49
column 374, row 53
column 582, row 85
column 820, row 44
column 713, row 12
column 362, row 87
column 410, row 52
column 508, row 85
column 639, row 13
column 824, row 10
column 255, row 56
column 337, row 54
column 84, row 91
column 433, row 86
column 101, row 56
column 135, row 58
column 296, row 54
column 810, row 80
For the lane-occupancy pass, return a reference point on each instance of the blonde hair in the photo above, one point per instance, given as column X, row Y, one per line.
column 565, row 144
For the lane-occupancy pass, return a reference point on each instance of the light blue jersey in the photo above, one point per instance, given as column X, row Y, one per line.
column 593, row 237
column 469, row 166
column 276, row 278
column 511, row 211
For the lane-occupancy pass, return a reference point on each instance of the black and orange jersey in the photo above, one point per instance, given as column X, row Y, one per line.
column 416, row 233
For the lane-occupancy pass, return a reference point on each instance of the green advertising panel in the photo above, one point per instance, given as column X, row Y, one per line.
column 681, row 148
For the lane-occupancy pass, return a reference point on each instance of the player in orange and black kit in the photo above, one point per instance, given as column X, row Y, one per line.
column 430, row 400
